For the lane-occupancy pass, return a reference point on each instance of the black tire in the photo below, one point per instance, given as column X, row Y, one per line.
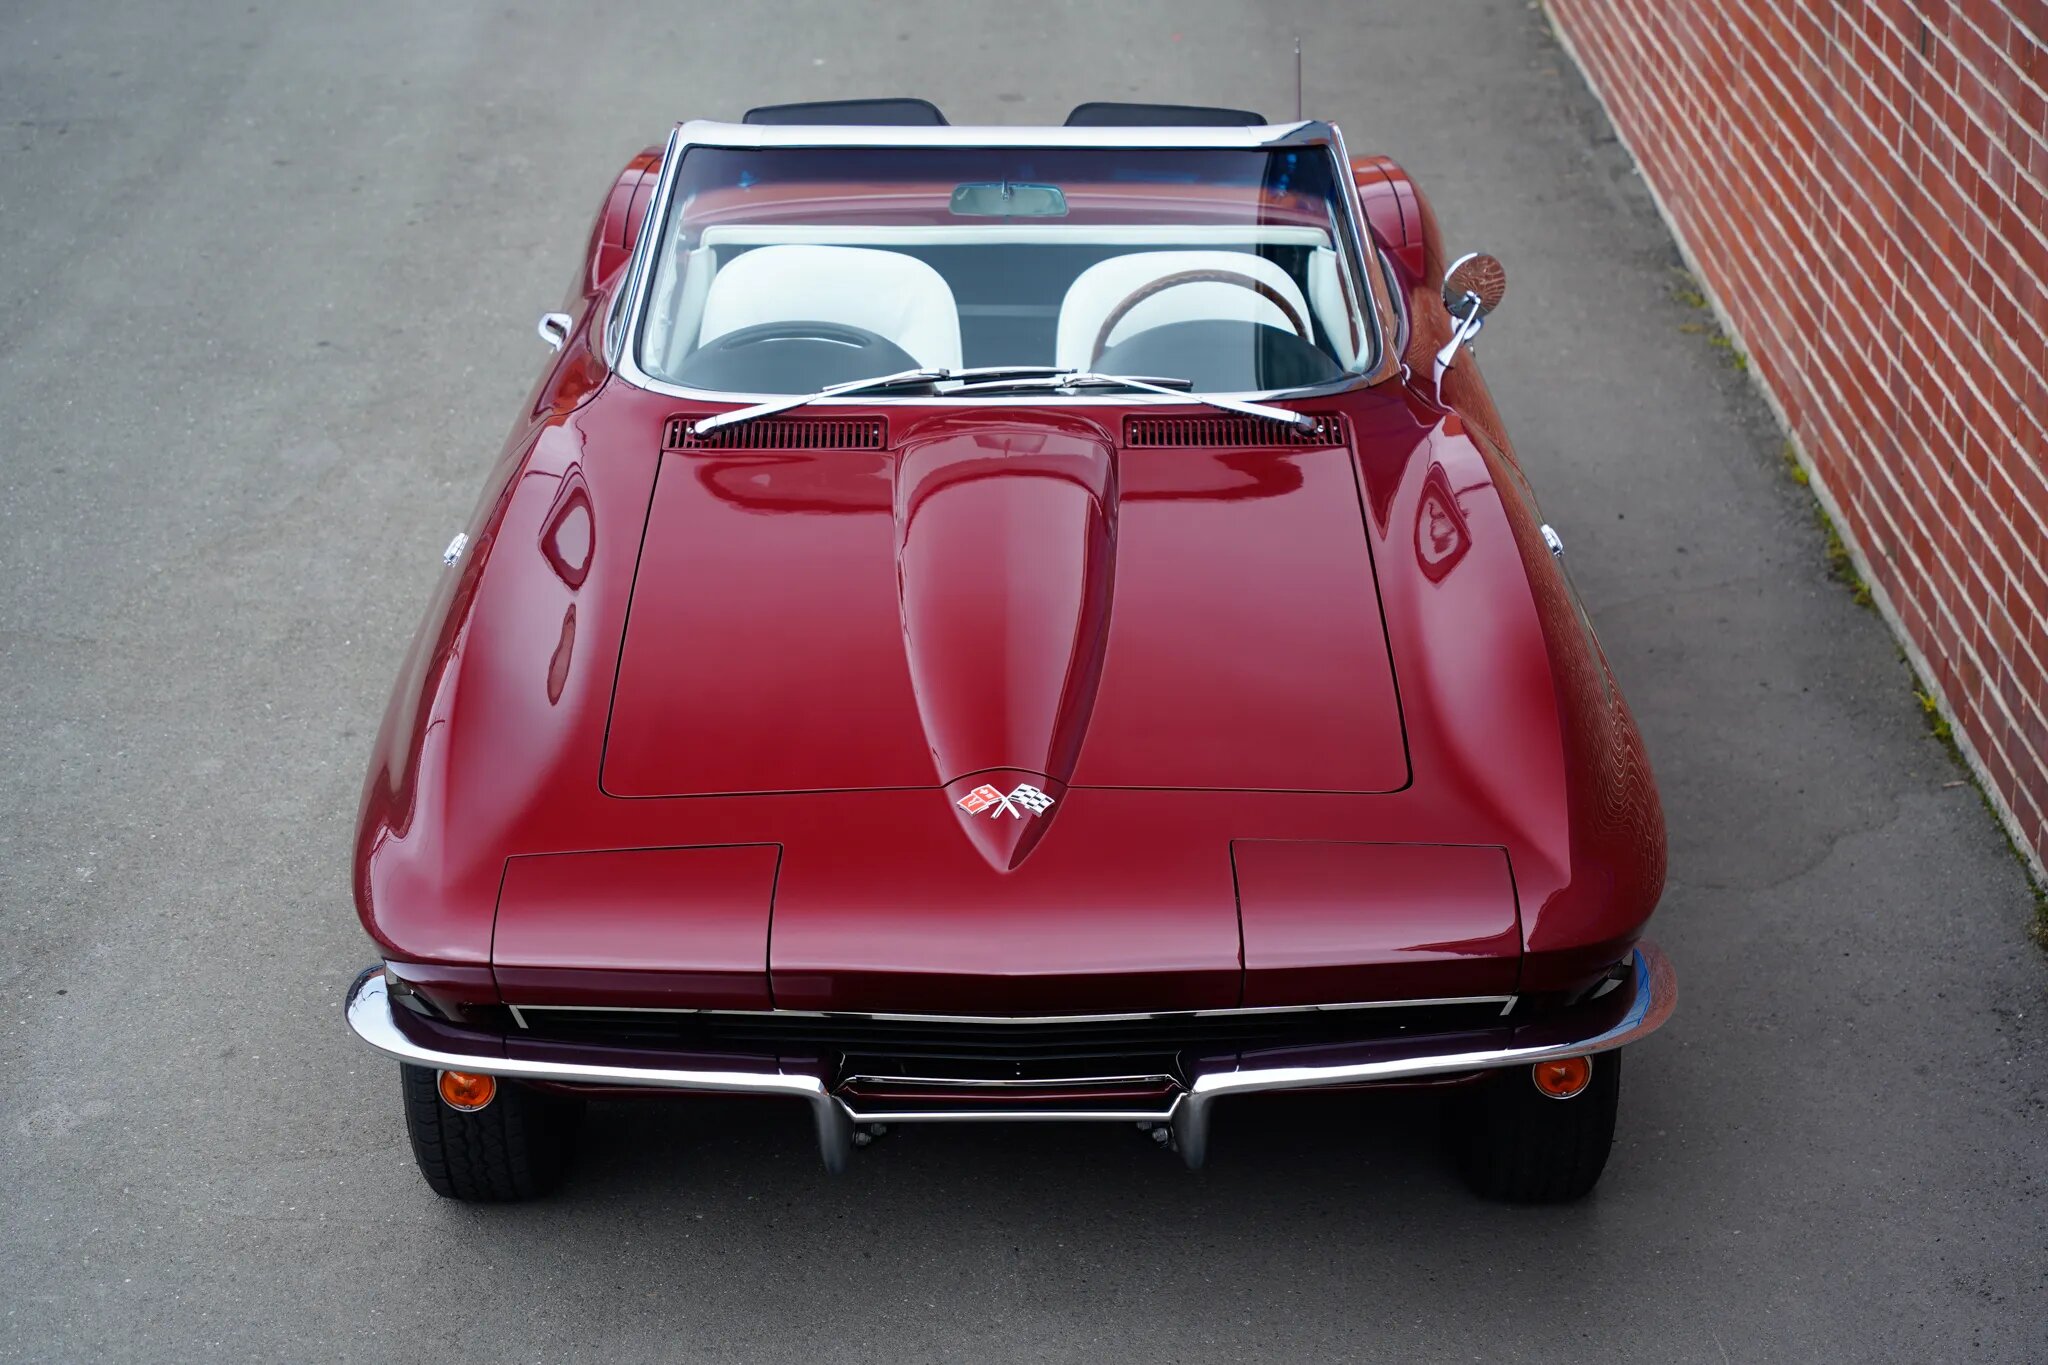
column 1514, row 1143
column 516, row 1147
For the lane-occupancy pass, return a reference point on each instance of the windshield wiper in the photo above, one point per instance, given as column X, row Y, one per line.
column 1079, row 379
column 902, row 379
column 989, row 377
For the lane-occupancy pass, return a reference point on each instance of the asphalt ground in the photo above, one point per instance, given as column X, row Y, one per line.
column 268, row 276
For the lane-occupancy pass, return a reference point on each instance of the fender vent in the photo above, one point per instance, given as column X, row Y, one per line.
column 781, row 433
column 1231, row 431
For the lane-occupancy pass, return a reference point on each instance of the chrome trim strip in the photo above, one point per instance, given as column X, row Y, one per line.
column 710, row 132
column 639, row 279
column 369, row 1012
column 370, row 1015
column 1387, row 361
column 1656, row 992
column 1161, row 1115
column 1123, row 399
column 1164, row 1016
column 1013, row 1083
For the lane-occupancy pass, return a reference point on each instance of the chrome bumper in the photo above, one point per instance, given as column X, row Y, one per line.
column 1652, row 991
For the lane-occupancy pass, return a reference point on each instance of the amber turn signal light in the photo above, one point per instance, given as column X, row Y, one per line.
column 1560, row 1079
column 467, row 1092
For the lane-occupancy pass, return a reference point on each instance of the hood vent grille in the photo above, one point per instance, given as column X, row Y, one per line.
column 1231, row 431
column 781, row 433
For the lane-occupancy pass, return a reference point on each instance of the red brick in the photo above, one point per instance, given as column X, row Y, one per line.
column 2031, row 15
column 1783, row 131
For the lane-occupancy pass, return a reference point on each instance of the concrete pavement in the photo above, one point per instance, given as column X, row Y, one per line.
column 268, row 277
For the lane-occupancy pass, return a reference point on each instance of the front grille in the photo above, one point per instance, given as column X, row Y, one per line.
column 1230, row 431
column 974, row 1049
column 781, row 433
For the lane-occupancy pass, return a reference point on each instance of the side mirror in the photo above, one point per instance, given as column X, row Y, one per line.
column 1474, row 278
column 554, row 329
column 1473, row 288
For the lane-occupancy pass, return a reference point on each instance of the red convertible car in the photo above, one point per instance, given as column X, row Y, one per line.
column 1009, row 624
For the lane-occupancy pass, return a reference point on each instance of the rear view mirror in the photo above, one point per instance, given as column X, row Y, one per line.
column 1008, row 199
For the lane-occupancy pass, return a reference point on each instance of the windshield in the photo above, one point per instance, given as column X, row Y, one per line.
column 786, row 270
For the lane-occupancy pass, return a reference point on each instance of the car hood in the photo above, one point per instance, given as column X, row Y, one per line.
column 1018, row 598
column 1181, row 648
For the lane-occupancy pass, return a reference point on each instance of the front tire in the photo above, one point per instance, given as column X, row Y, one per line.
column 516, row 1147
column 1516, row 1144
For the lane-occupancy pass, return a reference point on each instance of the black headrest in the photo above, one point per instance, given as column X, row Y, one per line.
column 1110, row 114
column 867, row 113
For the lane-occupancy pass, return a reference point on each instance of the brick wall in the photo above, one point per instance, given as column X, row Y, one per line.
column 1904, row 145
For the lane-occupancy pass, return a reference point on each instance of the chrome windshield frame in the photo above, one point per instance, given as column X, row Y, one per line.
column 1363, row 285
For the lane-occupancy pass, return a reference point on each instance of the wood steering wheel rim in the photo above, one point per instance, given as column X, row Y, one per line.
column 1181, row 277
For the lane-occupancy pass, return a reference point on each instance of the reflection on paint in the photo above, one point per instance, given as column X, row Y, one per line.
column 558, row 662
column 1441, row 536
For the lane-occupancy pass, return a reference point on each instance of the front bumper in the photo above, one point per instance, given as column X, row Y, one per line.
column 1632, row 1010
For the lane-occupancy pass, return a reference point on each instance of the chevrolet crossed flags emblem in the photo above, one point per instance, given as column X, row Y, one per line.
column 1025, row 797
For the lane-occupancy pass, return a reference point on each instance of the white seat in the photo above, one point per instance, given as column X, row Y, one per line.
column 886, row 292
column 1104, row 285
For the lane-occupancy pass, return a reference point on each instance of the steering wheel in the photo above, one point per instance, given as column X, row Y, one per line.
column 795, row 355
column 1180, row 277
column 799, row 329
